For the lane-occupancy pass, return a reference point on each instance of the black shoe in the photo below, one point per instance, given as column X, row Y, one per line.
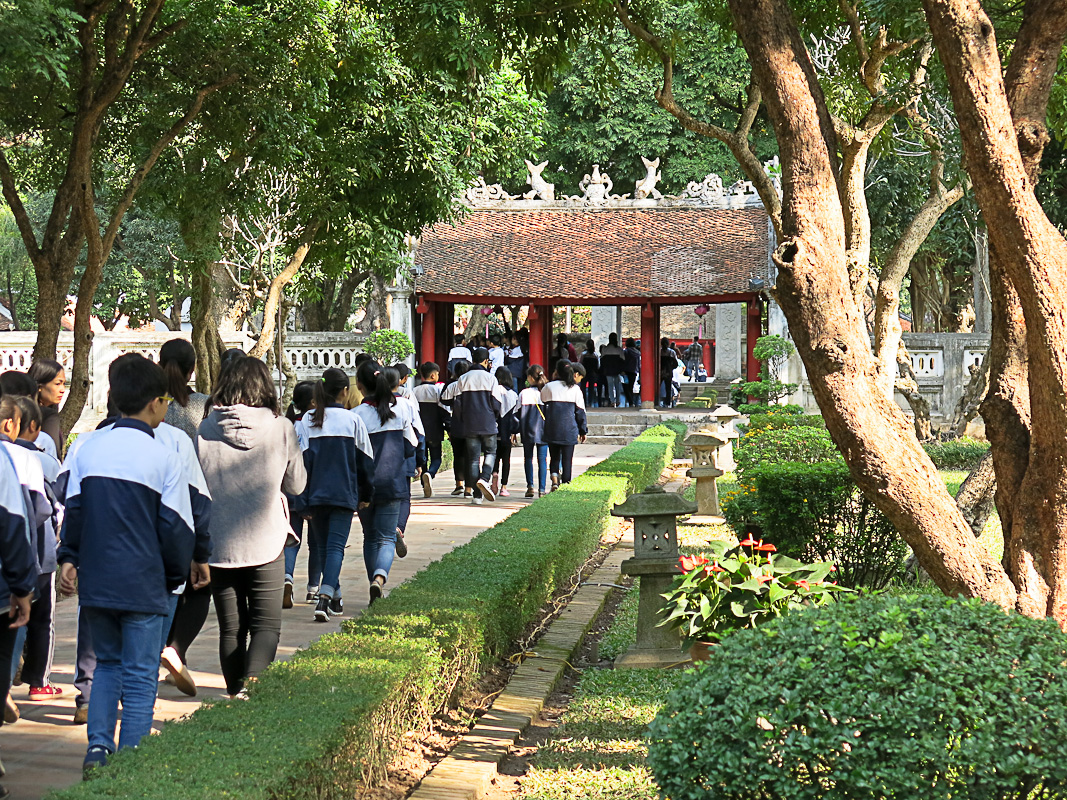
column 311, row 597
column 401, row 545
column 375, row 592
column 337, row 607
column 95, row 758
column 457, row 491
column 287, row 596
column 322, row 609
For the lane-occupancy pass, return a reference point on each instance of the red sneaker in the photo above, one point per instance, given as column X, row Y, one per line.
column 39, row 694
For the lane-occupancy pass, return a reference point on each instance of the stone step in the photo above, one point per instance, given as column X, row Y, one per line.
column 609, row 440
column 616, row 430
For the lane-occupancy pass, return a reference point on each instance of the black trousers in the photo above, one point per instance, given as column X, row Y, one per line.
column 631, row 378
column 40, row 633
column 189, row 618
column 459, row 460
column 7, row 650
column 562, row 460
column 503, row 459
column 248, row 602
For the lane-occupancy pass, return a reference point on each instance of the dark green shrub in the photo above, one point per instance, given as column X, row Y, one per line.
column 963, row 453
column 774, row 445
column 763, row 408
column 776, row 420
column 814, row 512
column 872, row 698
column 316, row 726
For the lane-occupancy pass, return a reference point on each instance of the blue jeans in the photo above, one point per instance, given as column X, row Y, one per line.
column 330, row 527
column 542, row 464
column 127, row 669
column 297, row 524
column 616, row 393
column 379, row 536
column 172, row 601
column 434, row 453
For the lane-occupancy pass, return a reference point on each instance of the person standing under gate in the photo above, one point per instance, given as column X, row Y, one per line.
column 694, row 357
column 477, row 401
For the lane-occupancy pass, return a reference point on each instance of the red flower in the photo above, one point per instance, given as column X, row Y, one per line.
column 686, row 563
column 803, row 584
column 766, row 548
column 764, row 578
column 749, row 542
column 717, row 568
column 700, row 560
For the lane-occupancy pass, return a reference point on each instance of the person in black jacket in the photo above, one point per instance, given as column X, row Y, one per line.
column 477, row 403
column 565, row 422
column 435, row 420
column 668, row 363
column 632, row 357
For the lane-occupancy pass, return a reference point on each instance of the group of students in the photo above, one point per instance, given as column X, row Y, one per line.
column 180, row 498
column 484, row 416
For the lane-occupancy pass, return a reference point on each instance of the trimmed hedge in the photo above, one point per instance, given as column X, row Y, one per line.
column 963, row 453
column 894, row 698
column 332, row 716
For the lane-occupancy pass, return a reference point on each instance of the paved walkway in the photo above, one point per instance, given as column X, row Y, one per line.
column 44, row 750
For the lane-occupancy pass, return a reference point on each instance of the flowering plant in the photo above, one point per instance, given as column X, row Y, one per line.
column 740, row 587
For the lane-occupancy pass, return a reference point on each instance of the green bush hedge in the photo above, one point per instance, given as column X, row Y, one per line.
column 901, row 698
column 776, row 445
column 763, row 408
column 777, row 420
column 963, row 453
column 330, row 717
column 814, row 512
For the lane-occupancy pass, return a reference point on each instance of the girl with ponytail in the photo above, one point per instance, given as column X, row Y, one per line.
column 391, row 427
column 565, row 424
column 178, row 360
column 340, row 468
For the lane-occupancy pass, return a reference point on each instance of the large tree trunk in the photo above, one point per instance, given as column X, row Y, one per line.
column 814, row 291
column 377, row 317
column 1033, row 257
column 976, row 495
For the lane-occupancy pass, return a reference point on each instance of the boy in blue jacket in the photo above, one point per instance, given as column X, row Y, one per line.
column 128, row 539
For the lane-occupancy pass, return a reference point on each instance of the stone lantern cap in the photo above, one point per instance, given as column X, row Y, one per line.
column 654, row 502
column 705, row 439
column 724, row 412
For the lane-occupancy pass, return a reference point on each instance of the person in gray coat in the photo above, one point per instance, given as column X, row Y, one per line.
column 251, row 459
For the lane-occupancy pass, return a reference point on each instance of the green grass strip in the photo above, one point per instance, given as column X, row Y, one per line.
column 333, row 715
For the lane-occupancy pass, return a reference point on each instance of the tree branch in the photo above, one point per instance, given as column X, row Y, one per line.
column 281, row 280
column 14, row 202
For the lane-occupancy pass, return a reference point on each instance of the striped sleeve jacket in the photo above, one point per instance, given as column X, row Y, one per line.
column 18, row 564
column 128, row 526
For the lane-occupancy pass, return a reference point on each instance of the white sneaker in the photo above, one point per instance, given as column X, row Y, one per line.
column 476, row 500
column 486, row 490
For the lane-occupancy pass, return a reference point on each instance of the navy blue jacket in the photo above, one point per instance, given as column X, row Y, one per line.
column 476, row 399
column 564, row 413
column 18, row 562
column 435, row 417
column 394, row 442
column 339, row 460
column 531, row 416
column 128, row 526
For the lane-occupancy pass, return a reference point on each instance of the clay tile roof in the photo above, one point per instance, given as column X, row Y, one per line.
column 595, row 254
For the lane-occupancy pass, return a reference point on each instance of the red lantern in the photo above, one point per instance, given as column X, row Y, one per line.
column 702, row 309
column 486, row 311
column 422, row 306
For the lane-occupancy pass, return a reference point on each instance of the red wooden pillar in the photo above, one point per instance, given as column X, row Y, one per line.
column 428, row 311
column 649, row 355
column 753, row 331
column 538, row 318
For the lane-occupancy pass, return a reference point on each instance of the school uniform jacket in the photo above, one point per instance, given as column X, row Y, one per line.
column 339, row 459
column 417, row 460
column 18, row 564
column 394, row 443
column 476, row 399
column 531, row 416
column 46, row 529
column 564, row 413
column 31, row 477
column 435, row 417
column 509, row 408
column 128, row 526
column 177, row 440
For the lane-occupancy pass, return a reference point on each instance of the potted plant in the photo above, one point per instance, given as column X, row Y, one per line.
column 739, row 587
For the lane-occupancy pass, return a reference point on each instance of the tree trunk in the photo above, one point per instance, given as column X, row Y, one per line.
column 277, row 285
column 973, row 395
column 815, row 293
column 1033, row 257
column 207, row 343
column 377, row 317
column 975, row 497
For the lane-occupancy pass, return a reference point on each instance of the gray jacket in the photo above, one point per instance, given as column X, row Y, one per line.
column 250, row 457
column 189, row 416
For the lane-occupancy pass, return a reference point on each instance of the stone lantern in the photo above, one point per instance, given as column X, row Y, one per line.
column 705, row 445
column 655, row 515
column 726, row 416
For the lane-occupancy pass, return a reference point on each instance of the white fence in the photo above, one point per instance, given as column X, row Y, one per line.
column 309, row 353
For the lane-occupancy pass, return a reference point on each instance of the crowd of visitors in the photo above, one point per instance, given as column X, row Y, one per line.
column 179, row 498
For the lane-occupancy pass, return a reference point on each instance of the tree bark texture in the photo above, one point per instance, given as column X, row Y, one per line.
column 814, row 291
column 976, row 495
column 1033, row 257
column 265, row 342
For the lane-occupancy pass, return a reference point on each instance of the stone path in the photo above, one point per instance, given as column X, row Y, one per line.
column 44, row 750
